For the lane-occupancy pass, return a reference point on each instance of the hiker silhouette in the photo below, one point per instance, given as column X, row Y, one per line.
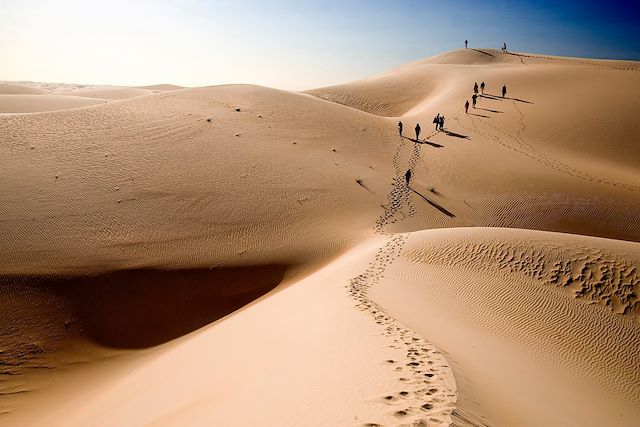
column 504, row 90
column 436, row 120
column 407, row 176
column 441, row 123
column 400, row 128
column 466, row 42
column 417, row 131
column 474, row 100
column 466, row 106
column 475, row 87
column 482, row 87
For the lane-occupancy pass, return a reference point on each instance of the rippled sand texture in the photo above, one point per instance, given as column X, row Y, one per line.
column 239, row 255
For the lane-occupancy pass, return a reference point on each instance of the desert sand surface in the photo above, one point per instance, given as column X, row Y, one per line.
column 238, row 255
column 35, row 97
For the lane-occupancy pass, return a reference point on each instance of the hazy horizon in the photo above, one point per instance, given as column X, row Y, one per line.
column 285, row 44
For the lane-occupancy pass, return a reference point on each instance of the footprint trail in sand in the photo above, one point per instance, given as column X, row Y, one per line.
column 427, row 389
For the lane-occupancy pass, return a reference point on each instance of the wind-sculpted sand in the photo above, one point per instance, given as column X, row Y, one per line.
column 238, row 255
column 563, row 305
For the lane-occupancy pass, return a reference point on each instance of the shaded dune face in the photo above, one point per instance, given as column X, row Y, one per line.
column 131, row 308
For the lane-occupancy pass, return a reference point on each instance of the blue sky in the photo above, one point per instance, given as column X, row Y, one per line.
column 284, row 43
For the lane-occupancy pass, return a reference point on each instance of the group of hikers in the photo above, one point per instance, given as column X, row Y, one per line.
column 504, row 46
column 438, row 120
column 474, row 98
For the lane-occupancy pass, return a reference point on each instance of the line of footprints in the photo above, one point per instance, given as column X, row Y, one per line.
column 425, row 397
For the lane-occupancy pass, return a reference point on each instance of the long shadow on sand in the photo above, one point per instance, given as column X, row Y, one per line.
column 486, row 109
column 454, row 134
column 479, row 115
column 417, row 141
column 434, row 204
column 500, row 98
column 146, row 307
column 482, row 51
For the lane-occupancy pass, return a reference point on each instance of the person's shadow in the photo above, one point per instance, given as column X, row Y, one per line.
column 457, row 135
column 432, row 203
column 417, row 141
column 500, row 98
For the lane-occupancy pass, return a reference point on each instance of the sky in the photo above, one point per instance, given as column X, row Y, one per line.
column 288, row 44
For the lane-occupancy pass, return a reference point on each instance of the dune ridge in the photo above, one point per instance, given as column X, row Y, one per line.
column 503, row 287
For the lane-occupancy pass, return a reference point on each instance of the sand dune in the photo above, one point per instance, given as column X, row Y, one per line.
column 37, row 103
column 18, row 89
column 107, row 92
column 139, row 227
column 554, row 311
column 161, row 87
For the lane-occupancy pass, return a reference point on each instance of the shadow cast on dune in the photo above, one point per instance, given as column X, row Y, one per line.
column 417, row 141
column 482, row 51
column 492, row 111
column 479, row 115
column 454, row 134
column 434, row 204
column 498, row 97
column 147, row 307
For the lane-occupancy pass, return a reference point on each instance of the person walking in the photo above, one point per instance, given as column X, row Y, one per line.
column 400, row 128
column 407, row 176
column 475, row 87
column 466, row 42
column 504, row 47
column 436, row 120
column 474, row 100
column 482, row 87
column 504, row 90
column 441, row 122
column 417, row 131
column 466, row 107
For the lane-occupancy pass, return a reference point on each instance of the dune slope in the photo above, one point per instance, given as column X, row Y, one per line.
column 189, row 254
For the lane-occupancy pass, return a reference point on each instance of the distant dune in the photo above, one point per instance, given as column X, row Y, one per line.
column 238, row 255
column 161, row 87
column 36, row 103
column 107, row 92
column 18, row 89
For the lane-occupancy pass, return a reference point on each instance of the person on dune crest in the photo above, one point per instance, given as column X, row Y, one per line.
column 466, row 107
column 400, row 128
column 504, row 90
column 417, row 131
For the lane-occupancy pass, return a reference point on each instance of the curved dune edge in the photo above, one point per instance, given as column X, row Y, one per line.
column 44, row 102
column 283, row 346
column 499, row 303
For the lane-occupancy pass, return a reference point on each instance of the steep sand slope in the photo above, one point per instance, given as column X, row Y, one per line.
column 532, row 322
column 550, row 156
column 290, row 359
